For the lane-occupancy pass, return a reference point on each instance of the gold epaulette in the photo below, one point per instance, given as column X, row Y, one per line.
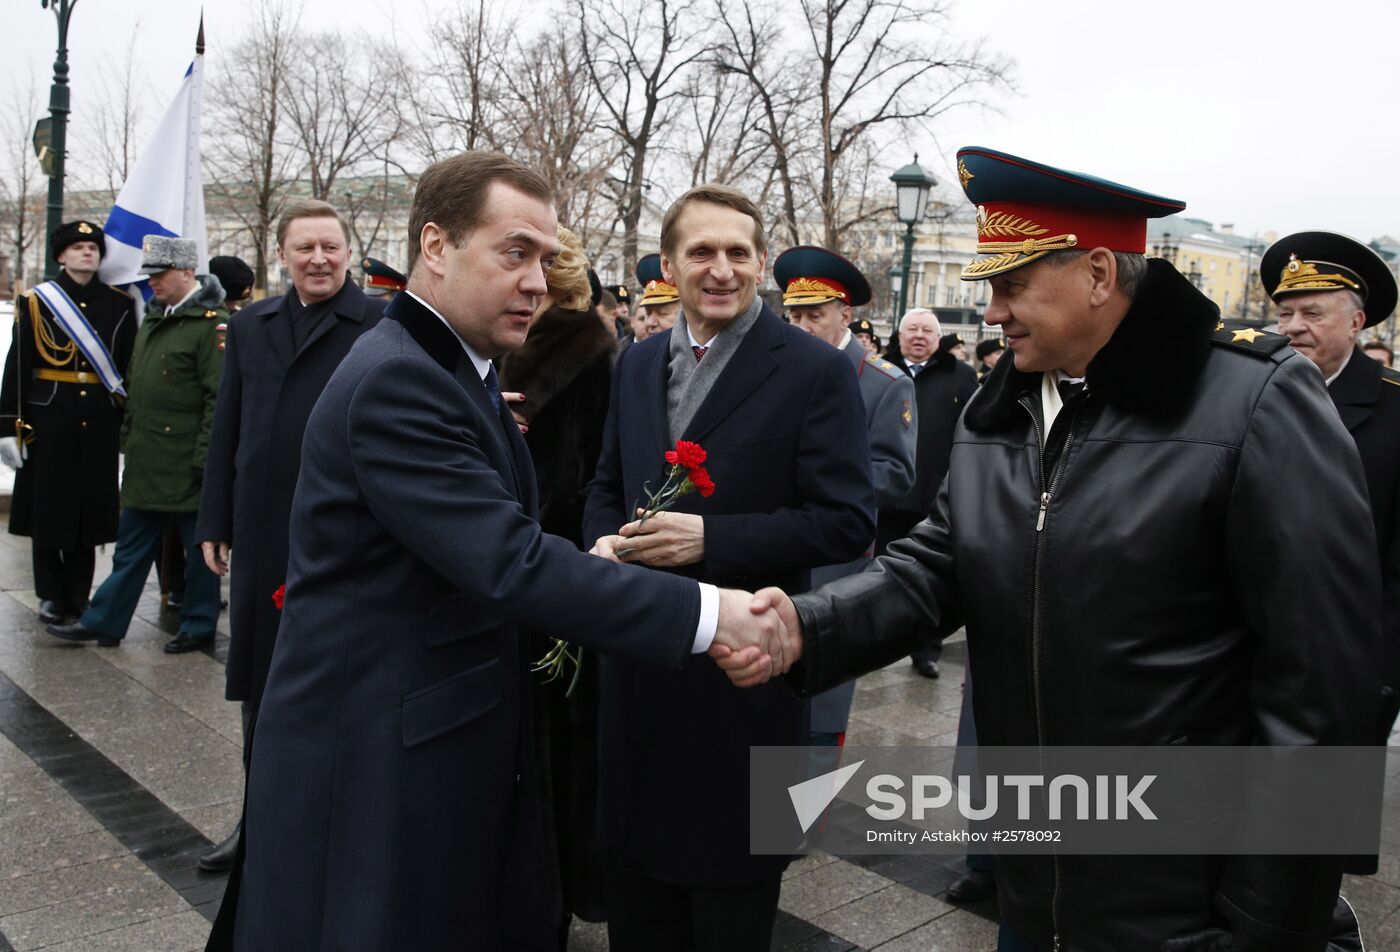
column 883, row 365
column 1248, row 339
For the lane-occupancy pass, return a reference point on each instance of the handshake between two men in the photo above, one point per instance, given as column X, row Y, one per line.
column 757, row 636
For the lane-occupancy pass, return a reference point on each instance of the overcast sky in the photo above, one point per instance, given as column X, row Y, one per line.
column 1275, row 116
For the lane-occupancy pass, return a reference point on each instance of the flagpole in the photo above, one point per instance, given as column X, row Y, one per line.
column 58, row 130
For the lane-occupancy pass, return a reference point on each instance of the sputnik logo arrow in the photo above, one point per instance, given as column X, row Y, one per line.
column 811, row 797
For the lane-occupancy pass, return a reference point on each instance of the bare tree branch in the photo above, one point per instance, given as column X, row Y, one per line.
column 636, row 54
column 21, row 181
column 251, row 166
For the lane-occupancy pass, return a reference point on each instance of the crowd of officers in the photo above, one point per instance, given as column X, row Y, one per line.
column 209, row 410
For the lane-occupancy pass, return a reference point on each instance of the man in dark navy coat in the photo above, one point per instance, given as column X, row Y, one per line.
column 781, row 417
column 278, row 356
column 1328, row 288
column 391, row 797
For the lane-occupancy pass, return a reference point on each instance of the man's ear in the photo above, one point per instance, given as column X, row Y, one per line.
column 432, row 248
column 1103, row 275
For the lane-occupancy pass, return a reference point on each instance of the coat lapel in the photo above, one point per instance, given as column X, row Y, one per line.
column 656, row 374
column 438, row 341
column 277, row 322
column 749, row 367
column 1356, row 390
column 349, row 304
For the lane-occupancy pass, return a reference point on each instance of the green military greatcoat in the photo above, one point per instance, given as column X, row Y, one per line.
column 173, row 385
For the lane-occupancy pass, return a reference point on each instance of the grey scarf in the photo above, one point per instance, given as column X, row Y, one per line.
column 689, row 382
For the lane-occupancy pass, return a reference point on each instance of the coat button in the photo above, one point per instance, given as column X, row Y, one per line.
column 82, row 393
column 167, row 429
column 83, row 424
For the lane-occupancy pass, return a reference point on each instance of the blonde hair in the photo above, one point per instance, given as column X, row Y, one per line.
column 568, row 278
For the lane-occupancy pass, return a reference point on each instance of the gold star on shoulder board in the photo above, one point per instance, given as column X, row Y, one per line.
column 1249, row 335
column 1220, row 326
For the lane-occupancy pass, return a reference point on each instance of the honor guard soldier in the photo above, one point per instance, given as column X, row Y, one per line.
column 988, row 353
column 622, row 309
column 1155, row 533
column 864, row 331
column 62, row 399
column 236, row 277
column 174, row 382
column 819, row 290
column 1328, row 288
column 660, row 302
column 382, row 280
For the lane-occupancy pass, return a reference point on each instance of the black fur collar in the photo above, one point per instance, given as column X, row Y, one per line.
column 427, row 329
column 562, row 344
column 1146, row 368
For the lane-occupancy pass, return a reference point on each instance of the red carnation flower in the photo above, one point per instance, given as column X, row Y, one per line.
column 687, row 454
column 279, row 596
column 700, row 478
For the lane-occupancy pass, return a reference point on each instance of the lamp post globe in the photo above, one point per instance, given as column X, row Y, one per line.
column 912, row 185
column 896, row 276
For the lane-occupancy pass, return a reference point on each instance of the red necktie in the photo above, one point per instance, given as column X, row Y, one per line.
column 699, row 351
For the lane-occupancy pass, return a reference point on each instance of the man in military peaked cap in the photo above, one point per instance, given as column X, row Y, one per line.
column 660, row 302
column 820, row 289
column 62, row 400
column 864, row 331
column 382, row 280
column 1120, row 533
column 1328, row 288
column 988, row 353
column 622, row 308
column 173, row 383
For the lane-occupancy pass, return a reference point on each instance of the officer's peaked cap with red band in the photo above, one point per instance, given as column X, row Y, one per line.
column 811, row 275
column 1025, row 210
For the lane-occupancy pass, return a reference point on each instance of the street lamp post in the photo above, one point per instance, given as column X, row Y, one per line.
column 911, row 189
column 58, row 132
column 896, row 290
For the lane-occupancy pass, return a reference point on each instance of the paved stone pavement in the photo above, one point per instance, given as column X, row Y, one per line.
column 119, row 766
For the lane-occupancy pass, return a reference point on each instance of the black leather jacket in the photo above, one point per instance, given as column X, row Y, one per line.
column 1196, row 568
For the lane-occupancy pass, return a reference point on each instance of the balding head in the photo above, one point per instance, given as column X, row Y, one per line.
column 919, row 331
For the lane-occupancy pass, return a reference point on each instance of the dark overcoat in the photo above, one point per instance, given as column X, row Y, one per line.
column 941, row 391
column 390, row 799
column 265, row 397
column 1367, row 397
column 65, row 495
column 565, row 372
column 784, row 426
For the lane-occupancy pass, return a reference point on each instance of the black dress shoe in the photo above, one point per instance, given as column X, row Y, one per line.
column 75, row 631
column 977, row 885
column 186, row 642
column 51, row 612
column 219, row 858
column 927, row 668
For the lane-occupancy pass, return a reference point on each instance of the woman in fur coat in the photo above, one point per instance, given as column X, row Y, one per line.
column 565, row 372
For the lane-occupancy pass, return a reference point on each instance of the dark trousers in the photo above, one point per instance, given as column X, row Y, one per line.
column 138, row 536
column 64, row 576
column 646, row 915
